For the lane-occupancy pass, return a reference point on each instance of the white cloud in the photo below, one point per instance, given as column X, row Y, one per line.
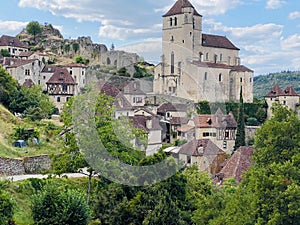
column 214, row 7
column 9, row 27
column 274, row 4
column 291, row 42
column 294, row 15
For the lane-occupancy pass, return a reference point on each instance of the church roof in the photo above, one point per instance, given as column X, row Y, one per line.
column 177, row 8
column 216, row 41
column 61, row 76
column 239, row 68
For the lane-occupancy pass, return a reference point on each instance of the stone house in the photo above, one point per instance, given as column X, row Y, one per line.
column 78, row 72
column 218, row 127
column 34, row 55
column 150, row 125
column 288, row 98
column 61, row 87
column 134, row 94
column 24, row 70
column 13, row 45
column 198, row 66
column 203, row 153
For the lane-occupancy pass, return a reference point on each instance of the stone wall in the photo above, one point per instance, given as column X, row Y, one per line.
column 27, row 165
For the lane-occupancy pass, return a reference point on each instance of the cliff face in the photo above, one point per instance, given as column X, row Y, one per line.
column 65, row 50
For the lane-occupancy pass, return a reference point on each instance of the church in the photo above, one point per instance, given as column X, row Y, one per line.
column 198, row 66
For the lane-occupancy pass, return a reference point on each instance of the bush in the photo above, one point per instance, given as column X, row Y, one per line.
column 6, row 207
column 56, row 204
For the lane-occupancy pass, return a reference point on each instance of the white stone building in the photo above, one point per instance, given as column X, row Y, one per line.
column 199, row 66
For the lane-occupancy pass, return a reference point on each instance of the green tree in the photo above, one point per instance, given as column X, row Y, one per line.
column 240, row 134
column 8, row 86
column 33, row 28
column 123, row 72
column 31, row 102
column 5, row 53
column 6, row 205
column 56, row 204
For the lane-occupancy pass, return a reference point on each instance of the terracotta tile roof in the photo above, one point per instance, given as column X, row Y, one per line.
column 11, row 41
column 61, row 76
column 177, row 8
column 192, row 148
column 49, row 69
column 169, row 107
column 26, row 54
column 289, row 91
column 239, row 68
column 133, row 88
column 185, row 128
column 140, row 121
column 179, row 120
column 237, row 163
column 28, row 83
column 217, row 120
column 13, row 63
column 275, row 92
column 216, row 41
column 120, row 101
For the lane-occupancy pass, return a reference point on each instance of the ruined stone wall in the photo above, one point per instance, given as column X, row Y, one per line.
column 27, row 165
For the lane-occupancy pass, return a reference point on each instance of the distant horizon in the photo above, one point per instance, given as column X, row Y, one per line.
column 266, row 31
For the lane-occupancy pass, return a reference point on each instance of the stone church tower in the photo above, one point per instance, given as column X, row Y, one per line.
column 199, row 66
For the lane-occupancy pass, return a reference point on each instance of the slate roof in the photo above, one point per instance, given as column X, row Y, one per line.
column 133, row 88
column 237, row 163
column 61, row 76
column 209, row 148
column 217, row 120
column 49, row 69
column 216, row 41
column 177, row 8
column 11, row 41
column 239, row 68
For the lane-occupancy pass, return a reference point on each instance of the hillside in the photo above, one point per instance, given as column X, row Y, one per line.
column 46, row 130
column 264, row 83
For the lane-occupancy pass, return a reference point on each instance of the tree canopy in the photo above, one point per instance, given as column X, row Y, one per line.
column 33, row 28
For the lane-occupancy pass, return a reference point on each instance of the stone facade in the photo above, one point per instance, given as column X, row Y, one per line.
column 199, row 66
column 27, row 165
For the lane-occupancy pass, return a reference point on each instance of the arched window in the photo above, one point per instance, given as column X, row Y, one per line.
column 171, row 21
column 220, row 77
column 108, row 61
column 172, row 63
column 175, row 21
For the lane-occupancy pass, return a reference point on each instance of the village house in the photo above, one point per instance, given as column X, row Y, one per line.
column 61, row 87
column 288, row 98
column 218, row 127
column 134, row 94
column 34, row 55
column 203, row 153
column 78, row 72
column 13, row 45
column 198, row 66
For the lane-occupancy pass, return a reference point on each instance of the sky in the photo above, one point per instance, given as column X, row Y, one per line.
column 266, row 31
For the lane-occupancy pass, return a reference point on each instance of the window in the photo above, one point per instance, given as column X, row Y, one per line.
column 200, row 56
column 71, row 72
column 137, row 99
column 221, row 57
column 284, row 102
column 82, row 73
column 172, row 63
column 206, row 57
column 175, row 22
column 179, row 68
column 39, row 82
column 64, row 88
column 44, row 77
column 215, row 59
column 226, row 134
column 250, row 80
column 224, row 144
column 58, row 99
column 171, row 21
column 220, row 77
column 241, row 80
column 205, row 76
column 27, row 72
